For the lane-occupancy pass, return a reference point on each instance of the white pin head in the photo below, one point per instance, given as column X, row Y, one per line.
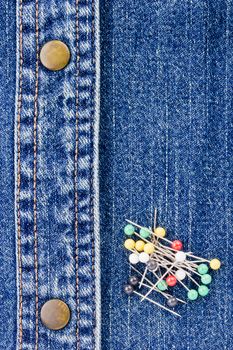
column 180, row 257
column 144, row 257
column 133, row 258
column 180, row 274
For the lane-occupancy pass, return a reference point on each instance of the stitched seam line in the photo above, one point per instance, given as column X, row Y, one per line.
column 92, row 175
column 19, row 109
column 76, row 176
column 35, row 177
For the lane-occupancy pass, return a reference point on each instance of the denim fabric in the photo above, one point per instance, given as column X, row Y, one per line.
column 47, row 226
column 8, row 294
column 166, row 141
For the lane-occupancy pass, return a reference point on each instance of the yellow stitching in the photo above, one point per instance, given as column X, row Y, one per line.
column 19, row 108
column 92, row 189
column 35, row 176
column 76, row 179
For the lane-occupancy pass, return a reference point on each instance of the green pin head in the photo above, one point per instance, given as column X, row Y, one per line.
column 192, row 294
column 203, row 290
column 129, row 230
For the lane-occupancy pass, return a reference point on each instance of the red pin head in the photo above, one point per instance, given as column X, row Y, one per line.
column 171, row 281
column 177, row 245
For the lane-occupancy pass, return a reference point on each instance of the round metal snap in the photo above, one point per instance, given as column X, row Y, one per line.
column 55, row 314
column 55, row 55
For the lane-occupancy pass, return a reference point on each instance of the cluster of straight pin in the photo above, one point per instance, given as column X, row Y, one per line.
column 165, row 265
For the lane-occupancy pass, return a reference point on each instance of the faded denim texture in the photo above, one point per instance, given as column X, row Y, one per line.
column 8, row 283
column 47, row 225
column 166, row 142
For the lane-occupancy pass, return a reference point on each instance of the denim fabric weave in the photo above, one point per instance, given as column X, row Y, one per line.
column 166, row 142
column 54, row 159
column 8, row 283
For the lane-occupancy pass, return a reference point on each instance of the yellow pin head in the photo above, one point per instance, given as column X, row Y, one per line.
column 139, row 245
column 215, row 264
column 129, row 244
column 149, row 248
column 160, row 232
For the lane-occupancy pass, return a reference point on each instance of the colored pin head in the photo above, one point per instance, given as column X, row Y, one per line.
column 149, row 248
column 203, row 290
column 180, row 257
column 171, row 281
column 160, row 231
column 215, row 264
column 192, row 294
column 144, row 257
column 144, row 232
column 162, row 285
column 129, row 289
column 206, row 279
column 129, row 230
column 177, row 245
column 134, row 281
column 133, row 258
column 139, row 246
column 129, row 244
column 172, row 301
column 202, row 269
column 180, row 274
column 152, row 265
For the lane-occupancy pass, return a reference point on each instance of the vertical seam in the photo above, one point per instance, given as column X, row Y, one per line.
column 35, row 174
column 76, row 175
column 226, row 202
column 92, row 176
column 19, row 108
column 96, row 231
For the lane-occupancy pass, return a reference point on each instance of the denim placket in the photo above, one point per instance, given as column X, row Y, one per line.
column 56, row 147
column 24, row 178
column 56, row 186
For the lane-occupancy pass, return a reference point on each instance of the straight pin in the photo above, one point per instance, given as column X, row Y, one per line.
column 143, row 277
column 180, row 257
column 172, row 263
column 192, row 279
column 157, row 304
column 150, row 231
column 154, row 240
column 167, row 295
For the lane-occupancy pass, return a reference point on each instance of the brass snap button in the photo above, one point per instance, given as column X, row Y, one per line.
column 55, row 55
column 55, row 314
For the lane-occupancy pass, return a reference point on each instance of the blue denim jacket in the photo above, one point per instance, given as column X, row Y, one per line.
column 140, row 118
